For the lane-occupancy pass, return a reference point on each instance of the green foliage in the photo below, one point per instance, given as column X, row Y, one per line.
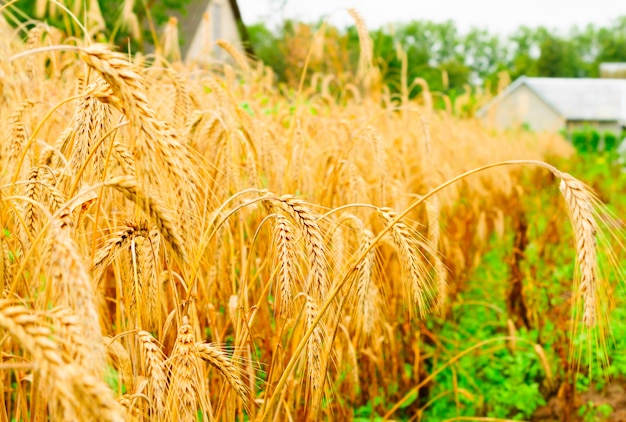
column 475, row 57
column 265, row 44
column 587, row 140
column 593, row 413
column 499, row 382
column 610, row 142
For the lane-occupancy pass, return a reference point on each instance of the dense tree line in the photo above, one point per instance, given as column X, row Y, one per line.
column 439, row 53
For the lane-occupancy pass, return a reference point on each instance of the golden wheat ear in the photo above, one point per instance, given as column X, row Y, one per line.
column 188, row 390
column 420, row 282
column 155, row 208
column 286, row 246
column 155, row 370
column 78, row 392
column 580, row 202
column 223, row 364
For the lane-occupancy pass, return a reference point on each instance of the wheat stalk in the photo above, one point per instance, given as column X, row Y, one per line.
column 229, row 371
column 162, row 150
column 77, row 391
column 317, row 282
column 154, row 208
column 580, row 205
column 420, row 282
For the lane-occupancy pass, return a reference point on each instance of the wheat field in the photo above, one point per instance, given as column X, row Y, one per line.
column 187, row 243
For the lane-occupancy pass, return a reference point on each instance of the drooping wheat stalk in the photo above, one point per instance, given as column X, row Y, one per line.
column 222, row 363
column 580, row 205
column 160, row 147
column 317, row 283
column 417, row 272
column 154, row 208
column 112, row 246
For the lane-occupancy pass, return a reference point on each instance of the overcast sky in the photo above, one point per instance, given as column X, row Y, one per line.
column 502, row 16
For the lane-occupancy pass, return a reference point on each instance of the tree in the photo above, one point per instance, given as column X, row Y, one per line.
column 612, row 42
column 557, row 57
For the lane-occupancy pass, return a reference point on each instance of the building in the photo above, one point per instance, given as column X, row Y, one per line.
column 613, row 70
column 207, row 21
column 553, row 104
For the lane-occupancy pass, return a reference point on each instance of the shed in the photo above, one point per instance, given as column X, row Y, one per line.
column 206, row 21
column 552, row 104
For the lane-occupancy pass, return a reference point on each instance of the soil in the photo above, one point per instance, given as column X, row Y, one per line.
column 613, row 394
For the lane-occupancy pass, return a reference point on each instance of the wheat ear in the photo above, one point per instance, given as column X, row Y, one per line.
column 78, row 392
column 187, row 386
column 72, row 287
column 366, row 296
column 314, row 346
column 286, row 257
column 220, row 361
column 239, row 58
column 580, row 205
column 153, row 361
column 154, row 208
column 420, row 282
column 147, row 248
column 317, row 283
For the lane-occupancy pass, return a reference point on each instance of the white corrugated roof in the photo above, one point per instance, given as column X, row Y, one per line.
column 583, row 98
column 578, row 98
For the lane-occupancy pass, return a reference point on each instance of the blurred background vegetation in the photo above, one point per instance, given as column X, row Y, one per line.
column 448, row 60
